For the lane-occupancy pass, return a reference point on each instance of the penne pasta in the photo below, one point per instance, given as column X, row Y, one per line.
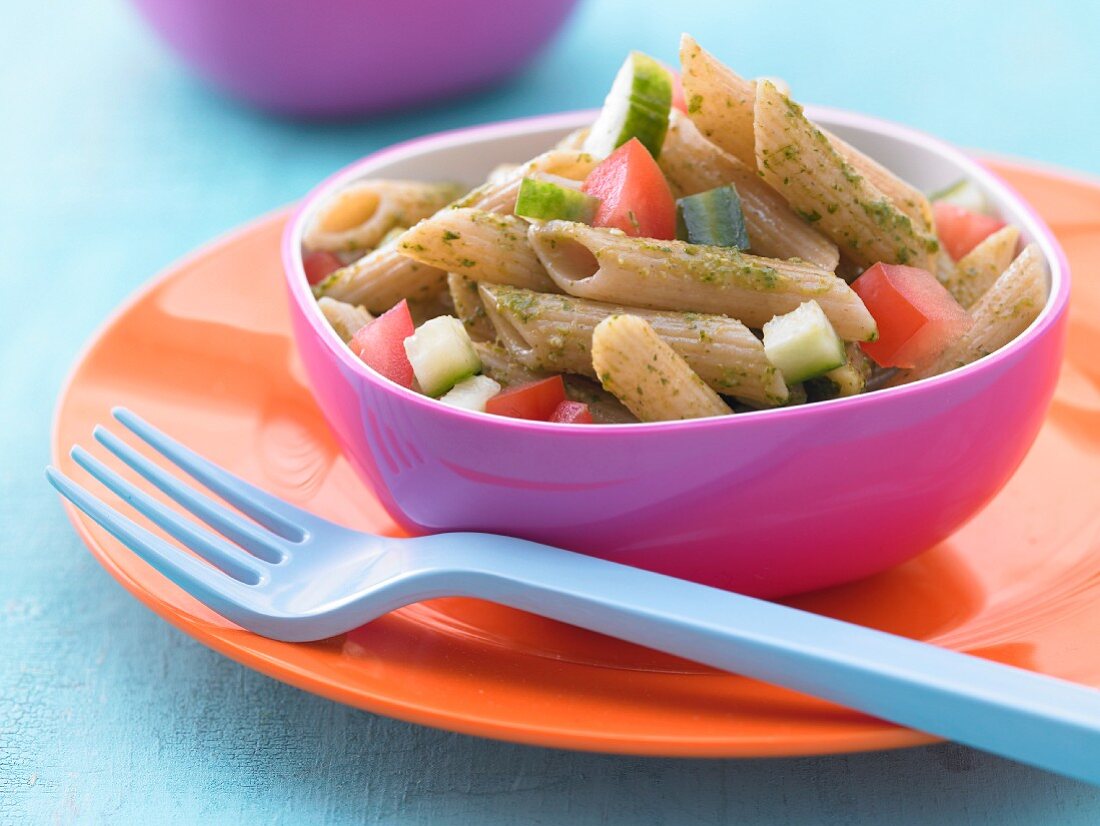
column 719, row 101
column 904, row 196
column 468, row 307
column 604, row 265
column 345, row 319
column 480, row 245
column 498, row 194
column 693, row 164
column 498, row 363
column 381, row 279
column 358, row 216
column 554, row 333
column 978, row 269
column 574, row 140
column 797, row 160
column 651, row 379
column 851, row 377
column 1005, row 310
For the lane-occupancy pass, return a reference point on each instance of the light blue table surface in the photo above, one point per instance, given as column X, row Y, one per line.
column 114, row 162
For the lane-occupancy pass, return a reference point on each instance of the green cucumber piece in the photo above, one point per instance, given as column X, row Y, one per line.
column 803, row 344
column 636, row 107
column 471, row 393
column 546, row 201
column 713, row 217
column 965, row 194
column 441, row 354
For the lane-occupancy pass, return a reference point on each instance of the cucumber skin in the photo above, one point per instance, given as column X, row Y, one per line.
column 713, row 217
column 546, row 201
column 648, row 104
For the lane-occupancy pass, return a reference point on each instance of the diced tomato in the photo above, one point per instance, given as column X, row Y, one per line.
column 319, row 265
column 570, row 412
column 961, row 230
column 381, row 344
column 678, row 99
column 634, row 195
column 916, row 316
column 536, row 400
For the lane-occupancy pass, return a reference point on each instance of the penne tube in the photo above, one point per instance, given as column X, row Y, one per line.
column 480, row 245
column 574, row 141
column 851, row 377
column 553, row 333
column 719, row 101
column 651, row 379
column 606, row 265
column 693, row 164
column 498, row 194
column 380, row 279
column 345, row 319
column 1005, row 310
column 979, row 268
column 468, row 307
column 904, row 196
column 498, row 363
column 359, row 215
column 798, row 161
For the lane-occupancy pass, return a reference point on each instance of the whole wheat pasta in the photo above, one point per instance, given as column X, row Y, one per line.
column 345, row 319
column 480, row 245
column 693, row 164
column 604, row 407
column 554, row 333
column 468, row 307
column 798, row 161
column 357, row 216
column 719, row 101
column 605, row 265
column 381, row 279
column 498, row 363
column 978, row 269
column 1005, row 310
column 904, row 196
column 499, row 194
column 650, row 378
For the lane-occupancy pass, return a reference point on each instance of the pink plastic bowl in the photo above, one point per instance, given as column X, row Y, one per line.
column 768, row 503
column 345, row 57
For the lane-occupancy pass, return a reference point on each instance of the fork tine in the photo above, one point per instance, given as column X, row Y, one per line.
column 209, row 585
column 236, row 528
column 232, row 560
column 273, row 513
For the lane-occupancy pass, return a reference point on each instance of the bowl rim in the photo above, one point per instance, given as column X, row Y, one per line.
column 1033, row 225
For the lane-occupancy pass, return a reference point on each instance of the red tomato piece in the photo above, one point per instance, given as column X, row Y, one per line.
column 320, row 265
column 569, row 412
column 916, row 316
column 381, row 344
column 536, row 400
column 634, row 195
column 961, row 230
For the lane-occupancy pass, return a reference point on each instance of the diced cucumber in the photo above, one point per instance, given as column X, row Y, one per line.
column 713, row 217
column 545, row 201
column 636, row 107
column 803, row 344
column 471, row 393
column 441, row 354
column 965, row 194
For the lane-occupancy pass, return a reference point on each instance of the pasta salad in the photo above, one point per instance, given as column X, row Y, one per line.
column 702, row 249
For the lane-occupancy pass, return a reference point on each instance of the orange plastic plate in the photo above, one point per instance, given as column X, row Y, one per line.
column 205, row 352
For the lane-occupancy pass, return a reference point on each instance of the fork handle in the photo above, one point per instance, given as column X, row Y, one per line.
column 1020, row 714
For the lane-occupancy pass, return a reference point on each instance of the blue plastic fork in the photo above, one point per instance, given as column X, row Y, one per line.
column 289, row 575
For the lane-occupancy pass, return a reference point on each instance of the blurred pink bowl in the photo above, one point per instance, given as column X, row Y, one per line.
column 346, row 57
column 769, row 503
